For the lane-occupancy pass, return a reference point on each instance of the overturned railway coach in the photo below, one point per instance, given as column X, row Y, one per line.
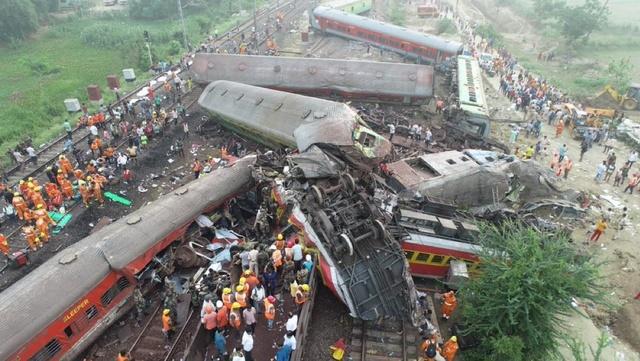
column 280, row 119
column 61, row 307
column 351, row 79
column 423, row 47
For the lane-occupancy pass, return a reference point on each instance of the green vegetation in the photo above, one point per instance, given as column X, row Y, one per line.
column 61, row 60
column 18, row 19
column 445, row 26
column 578, row 349
column 620, row 74
column 397, row 13
column 488, row 32
column 528, row 280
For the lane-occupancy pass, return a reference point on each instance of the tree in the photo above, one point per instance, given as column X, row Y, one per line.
column 548, row 9
column 18, row 19
column 620, row 74
column 527, row 281
column 578, row 22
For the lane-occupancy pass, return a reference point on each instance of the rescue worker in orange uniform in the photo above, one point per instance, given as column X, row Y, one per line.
column 222, row 317
column 31, row 237
column 4, row 245
column 41, row 213
column 50, row 189
column 123, row 356
column 450, row 349
column 235, row 318
column 227, row 298
column 60, row 176
column 241, row 296
column 96, row 190
column 55, row 196
column 96, row 146
column 301, row 295
column 85, row 192
column 449, row 304
column 252, row 280
column 29, row 193
column 36, row 196
column 67, row 188
column 43, row 230
column 28, row 216
column 19, row 204
column 65, row 165
column 22, row 186
column 34, row 181
column 270, row 311
column 79, row 174
column 167, row 324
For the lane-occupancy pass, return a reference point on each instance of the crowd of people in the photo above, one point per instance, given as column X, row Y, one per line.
column 82, row 174
column 269, row 275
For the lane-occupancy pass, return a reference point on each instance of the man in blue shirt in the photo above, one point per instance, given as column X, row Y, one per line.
column 284, row 352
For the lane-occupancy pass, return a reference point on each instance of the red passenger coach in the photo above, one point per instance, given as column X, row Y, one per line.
column 413, row 44
column 61, row 307
column 432, row 241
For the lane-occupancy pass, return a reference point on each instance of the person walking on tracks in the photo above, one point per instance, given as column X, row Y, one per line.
column 450, row 349
column 449, row 304
column 168, row 329
column 4, row 245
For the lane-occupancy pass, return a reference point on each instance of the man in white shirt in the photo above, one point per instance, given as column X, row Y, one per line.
column 93, row 130
column 292, row 323
column 33, row 157
column 247, row 344
column 392, row 131
column 290, row 339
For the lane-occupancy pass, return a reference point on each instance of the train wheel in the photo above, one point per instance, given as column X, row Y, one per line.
column 317, row 195
column 348, row 181
column 344, row 239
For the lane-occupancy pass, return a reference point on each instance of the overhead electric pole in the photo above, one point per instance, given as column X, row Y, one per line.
column 184, row 29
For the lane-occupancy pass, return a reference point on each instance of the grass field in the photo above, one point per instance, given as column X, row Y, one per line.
column 38, row 74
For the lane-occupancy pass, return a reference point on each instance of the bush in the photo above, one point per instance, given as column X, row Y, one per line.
column 152, row 9
column 109, row 36
column 18, row 19
column 174, row 47
column 40, row 68
column 445, row 26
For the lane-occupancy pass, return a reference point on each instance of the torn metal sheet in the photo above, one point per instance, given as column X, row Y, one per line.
column 314, row 163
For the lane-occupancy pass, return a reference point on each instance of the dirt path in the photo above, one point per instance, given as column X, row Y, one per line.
column 619, row 254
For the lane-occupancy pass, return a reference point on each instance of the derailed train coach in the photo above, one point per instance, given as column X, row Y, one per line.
column 280, row 119
column 412, row 44
column 61, row 307
column 352, row 79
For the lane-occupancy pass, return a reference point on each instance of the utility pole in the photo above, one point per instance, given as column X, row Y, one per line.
column 255, row 24
column 184, row 29
column 147, row 40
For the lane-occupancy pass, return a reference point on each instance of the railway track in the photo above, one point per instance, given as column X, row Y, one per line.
column 48, row 154
column 151, row 344
column 386, row 341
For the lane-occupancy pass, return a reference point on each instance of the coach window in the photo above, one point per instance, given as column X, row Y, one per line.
column 439, row 259
column 48, row 351
column 423, row 257
column 409, row 254
column 112, row 292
